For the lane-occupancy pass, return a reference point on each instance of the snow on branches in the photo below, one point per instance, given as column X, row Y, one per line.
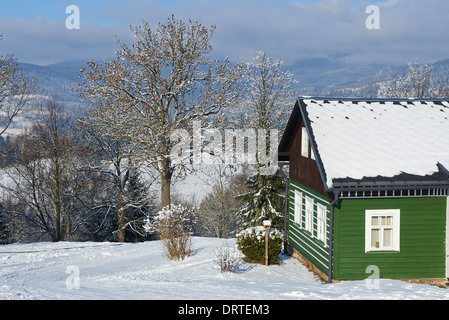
column 174, row 224
column 157, row 85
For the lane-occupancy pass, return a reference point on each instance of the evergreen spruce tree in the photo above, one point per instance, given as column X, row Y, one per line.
column 264, row 201
column 136, row 192
column 269, row 92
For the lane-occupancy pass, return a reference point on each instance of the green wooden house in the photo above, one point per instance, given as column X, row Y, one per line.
column 368, row 187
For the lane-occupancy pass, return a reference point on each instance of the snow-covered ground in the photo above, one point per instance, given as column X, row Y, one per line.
column 78, row 270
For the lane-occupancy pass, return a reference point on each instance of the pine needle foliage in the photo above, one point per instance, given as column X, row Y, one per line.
column 264, row 201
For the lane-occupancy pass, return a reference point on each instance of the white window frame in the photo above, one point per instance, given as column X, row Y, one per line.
column 395, row 227
column 304, row 143
column 298, row 207
column 321, row 220
column 309, row 215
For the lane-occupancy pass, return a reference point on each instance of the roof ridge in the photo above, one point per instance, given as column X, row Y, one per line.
column 370, row 99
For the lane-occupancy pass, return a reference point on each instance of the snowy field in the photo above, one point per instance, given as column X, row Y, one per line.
column 91, row 271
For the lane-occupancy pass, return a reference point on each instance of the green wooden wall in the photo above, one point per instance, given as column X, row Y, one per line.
column 422, row 239
column 305, row 242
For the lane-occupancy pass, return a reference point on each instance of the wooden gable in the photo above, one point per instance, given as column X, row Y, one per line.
column 303, row 169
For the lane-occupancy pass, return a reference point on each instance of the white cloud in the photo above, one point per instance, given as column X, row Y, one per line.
column 291, row 31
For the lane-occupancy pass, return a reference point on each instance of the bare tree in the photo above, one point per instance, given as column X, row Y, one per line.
column 217, row 214
column 16, row 91
column 115, row 166
column 160, row 84
column 44, row 182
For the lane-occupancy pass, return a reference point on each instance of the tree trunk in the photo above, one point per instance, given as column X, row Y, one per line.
column 121, row 217
column 121, row 224
column 166, row 175
column 57, row 193
column 259, row 204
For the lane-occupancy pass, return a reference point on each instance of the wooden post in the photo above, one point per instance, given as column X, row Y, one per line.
column 266, row 246
column 267, row 225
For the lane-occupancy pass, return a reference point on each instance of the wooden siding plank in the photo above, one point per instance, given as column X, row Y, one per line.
column 303, row 241
column 422, row 239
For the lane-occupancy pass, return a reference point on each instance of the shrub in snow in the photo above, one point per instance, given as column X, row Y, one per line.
column 174, row 225
column 251, row 242
column 228, row 259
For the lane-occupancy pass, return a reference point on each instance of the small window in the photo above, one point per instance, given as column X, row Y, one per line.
column 309, row 215
column 298, row 207
column 321, row 227
column 382, row 229
column 304, row 143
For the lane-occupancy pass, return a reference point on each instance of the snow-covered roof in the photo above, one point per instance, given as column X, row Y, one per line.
column 357, row 139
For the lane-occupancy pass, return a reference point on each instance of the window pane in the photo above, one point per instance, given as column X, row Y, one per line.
column 298, row 207
column 321, row 222
column 304, row 143
column 309, row 214
column 375, row 238
column 374, row 221
column 388, row 237
column 387, row 221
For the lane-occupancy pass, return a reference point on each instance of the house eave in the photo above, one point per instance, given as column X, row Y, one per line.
column 407, row 189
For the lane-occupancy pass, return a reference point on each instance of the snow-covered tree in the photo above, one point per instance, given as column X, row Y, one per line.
column 269, row 93
column 266, row 106
column 137, row 192
column 157, row 85
column 16, row 90
column 114, row 164
column 264, row 201
column 46, row 184
column 417, row 83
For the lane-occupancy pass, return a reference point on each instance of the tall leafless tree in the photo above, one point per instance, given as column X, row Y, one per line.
column 44, row 185
column 114, row 165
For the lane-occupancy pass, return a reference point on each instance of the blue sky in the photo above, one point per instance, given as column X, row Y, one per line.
column 55, row 9
column 287, row 29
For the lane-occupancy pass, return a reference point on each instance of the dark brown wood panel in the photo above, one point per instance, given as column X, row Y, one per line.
column 302, row 169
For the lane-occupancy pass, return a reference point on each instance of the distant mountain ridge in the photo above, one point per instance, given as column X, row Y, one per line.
column 60, row 79
column 323, row 77
column 320, row 77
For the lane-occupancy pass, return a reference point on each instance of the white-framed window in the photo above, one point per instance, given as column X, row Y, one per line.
column 382, row 230
column 321, row 222
column 304, row 143
column 309, row 215
column 298, row 207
